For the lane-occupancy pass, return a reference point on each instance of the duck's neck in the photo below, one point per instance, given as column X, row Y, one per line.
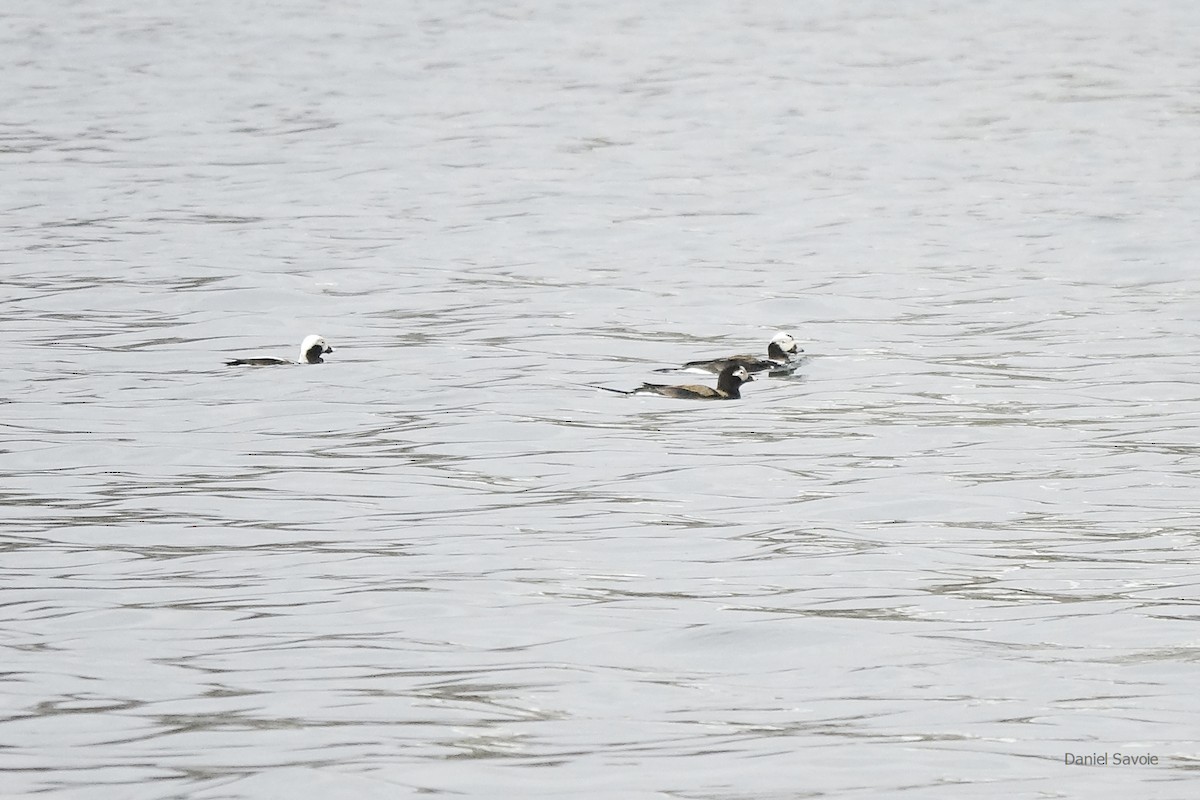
column 730, row 386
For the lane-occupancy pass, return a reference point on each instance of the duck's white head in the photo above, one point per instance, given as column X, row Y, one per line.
column 313, row 348
column 785, row 342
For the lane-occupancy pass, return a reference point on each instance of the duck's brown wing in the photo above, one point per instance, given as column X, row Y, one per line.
column 684, row 392
column 257, row 362
column 716, row 365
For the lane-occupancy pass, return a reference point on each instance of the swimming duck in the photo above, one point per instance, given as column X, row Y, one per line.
column 729, row 383
column 780, row 352
column 310, row 353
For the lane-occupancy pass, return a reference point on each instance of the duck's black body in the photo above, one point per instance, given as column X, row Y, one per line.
column 310, row 353
column 746, row 362
column 257, row 362
column 729, row 384
column 780, row 352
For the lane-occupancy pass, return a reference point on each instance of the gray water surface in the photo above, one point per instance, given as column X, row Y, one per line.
column 956, row 546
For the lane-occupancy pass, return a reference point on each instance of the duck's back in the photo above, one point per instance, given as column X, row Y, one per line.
column 687, row 392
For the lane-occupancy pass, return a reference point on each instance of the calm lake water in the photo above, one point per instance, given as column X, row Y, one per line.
column 957, row 546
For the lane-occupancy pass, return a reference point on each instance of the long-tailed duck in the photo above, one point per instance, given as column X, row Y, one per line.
column 729, row 383
column 780, row 352
column 310, row 353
